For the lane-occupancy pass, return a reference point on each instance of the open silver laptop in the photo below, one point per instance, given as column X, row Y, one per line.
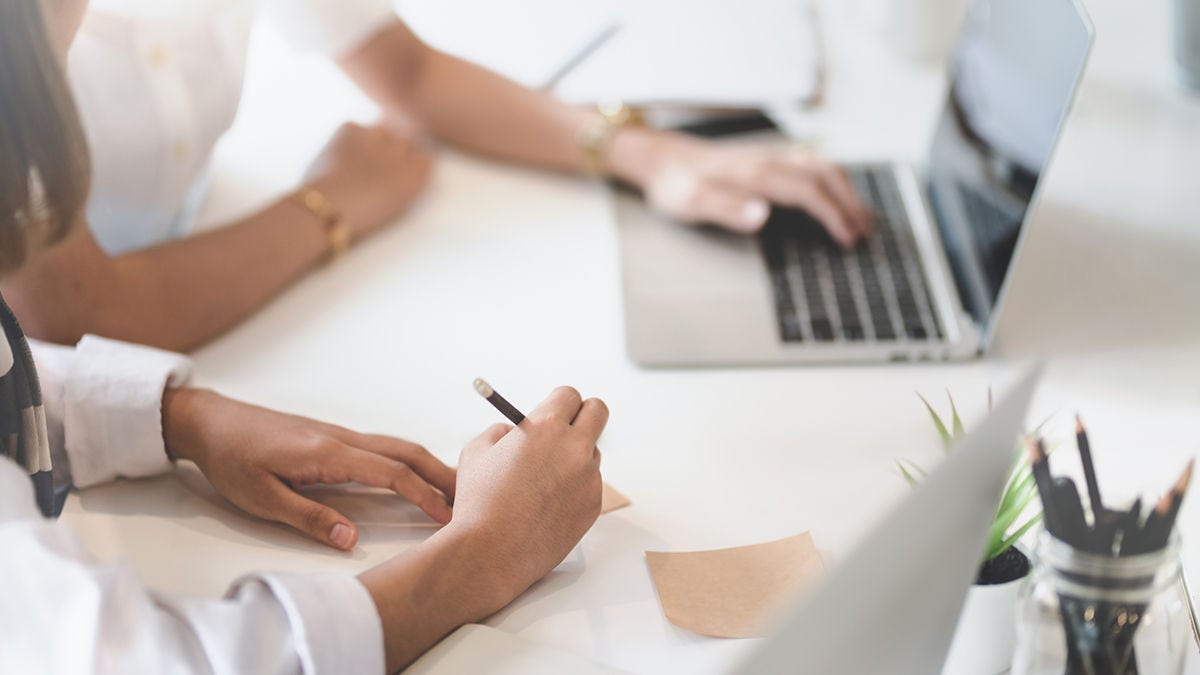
column 929, row 282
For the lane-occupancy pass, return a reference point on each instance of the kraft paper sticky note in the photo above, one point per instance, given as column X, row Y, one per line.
column 733, row 592
column 612, row 500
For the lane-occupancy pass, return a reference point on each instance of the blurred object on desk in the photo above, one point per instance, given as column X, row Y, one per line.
column 918, row 30
column 699, row 53
column 1186, row 20
column 530, row 41
column 704, row 54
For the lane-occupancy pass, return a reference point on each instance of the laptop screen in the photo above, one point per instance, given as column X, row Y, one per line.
column 1013, row 76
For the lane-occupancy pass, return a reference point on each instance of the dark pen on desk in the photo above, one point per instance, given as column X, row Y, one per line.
column 499, row 402
column 585, row 52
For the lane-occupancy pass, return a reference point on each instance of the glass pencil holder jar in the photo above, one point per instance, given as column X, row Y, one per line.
column 1089, row 614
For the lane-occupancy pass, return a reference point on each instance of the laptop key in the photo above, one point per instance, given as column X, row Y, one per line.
column 822, row 330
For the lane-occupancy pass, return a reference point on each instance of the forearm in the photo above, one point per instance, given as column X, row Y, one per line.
column 465, row 105
column 426, row 593
column 175, row 296
column 199, row 287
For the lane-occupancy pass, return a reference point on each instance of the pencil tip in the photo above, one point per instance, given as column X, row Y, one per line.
column 1034, row 449
column 485, row 390
column 1078, row 424
column 1186, row 478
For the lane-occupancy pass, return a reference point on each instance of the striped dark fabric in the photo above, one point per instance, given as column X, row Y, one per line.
column 23, row 434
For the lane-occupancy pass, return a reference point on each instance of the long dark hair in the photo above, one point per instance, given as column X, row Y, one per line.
column 45, row 170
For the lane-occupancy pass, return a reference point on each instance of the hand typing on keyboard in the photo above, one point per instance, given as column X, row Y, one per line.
column 701, row 181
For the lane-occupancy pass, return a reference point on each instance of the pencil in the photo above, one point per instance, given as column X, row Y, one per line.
column 1131, row 521
column 1045, row 485
column 584, row 53
column 499, row 402
column 1157, row 528
column 1089, row 470
column 1169, row 507
column 1070, row 509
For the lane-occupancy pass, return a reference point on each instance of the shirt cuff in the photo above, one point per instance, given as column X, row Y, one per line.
column 113, row 409
column 333, row 27
column 335, row 625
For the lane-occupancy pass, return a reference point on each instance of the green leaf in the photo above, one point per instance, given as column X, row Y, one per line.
column 1007, row 517
column 1019, row 461
column 909, row 471
column 1017, row 489
column 947, row 439
column 1008, row 542
column 959, row 431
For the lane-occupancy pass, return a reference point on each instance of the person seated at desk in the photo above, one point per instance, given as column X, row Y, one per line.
column 522, row 498
column 159, row 83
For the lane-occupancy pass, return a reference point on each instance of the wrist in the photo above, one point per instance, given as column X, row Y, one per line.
column 494, row 577
column 428, row 592
column 316, row 201
column 632, row 154
column 180, row 412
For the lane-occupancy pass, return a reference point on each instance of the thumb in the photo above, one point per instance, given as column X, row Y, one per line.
column 318, row 521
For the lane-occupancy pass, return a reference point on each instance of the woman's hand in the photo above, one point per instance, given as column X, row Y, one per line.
column 370, row 174
column 699, row 181
column 526, row 496
column 256, row 457
column 534, row 490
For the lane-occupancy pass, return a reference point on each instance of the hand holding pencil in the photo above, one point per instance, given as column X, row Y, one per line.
column 531, row 492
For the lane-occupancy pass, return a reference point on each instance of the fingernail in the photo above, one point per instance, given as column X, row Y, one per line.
column 341, row 535
column 754, row 214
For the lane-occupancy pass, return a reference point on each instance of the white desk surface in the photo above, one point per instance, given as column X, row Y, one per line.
column 513, row 275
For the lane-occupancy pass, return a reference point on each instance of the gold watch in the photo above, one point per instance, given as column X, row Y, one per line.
column 596, row 134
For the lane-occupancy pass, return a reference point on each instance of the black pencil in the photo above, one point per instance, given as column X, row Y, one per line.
column 507, row 409
column 1089, row 471
column 1070, row 510
column 1131, row 522
column 1169, row 509
column 1045, row 484
column 1155, row 532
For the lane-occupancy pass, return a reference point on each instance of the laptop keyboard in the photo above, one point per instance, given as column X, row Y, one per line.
column 877, row 292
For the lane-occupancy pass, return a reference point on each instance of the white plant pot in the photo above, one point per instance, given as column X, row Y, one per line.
column 986, row 635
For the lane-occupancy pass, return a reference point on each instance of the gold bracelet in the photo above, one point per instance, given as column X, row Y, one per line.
column 315, row 202
column 596, row 134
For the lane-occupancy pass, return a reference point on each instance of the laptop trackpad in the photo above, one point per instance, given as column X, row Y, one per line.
column 692, row 294
column 666, row 259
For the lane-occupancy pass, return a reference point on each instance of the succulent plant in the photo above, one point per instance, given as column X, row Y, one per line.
column 1011, row 521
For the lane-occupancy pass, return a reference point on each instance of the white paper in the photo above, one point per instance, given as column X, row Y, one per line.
column 526, row 40
column 703, row 53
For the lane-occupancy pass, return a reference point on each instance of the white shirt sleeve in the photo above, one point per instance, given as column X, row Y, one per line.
column 64, row 612
column 334, row 27
column 103, row 402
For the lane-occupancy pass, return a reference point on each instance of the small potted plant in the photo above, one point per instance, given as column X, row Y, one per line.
column 986, row 634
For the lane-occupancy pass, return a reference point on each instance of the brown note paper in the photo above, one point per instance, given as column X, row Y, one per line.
column 612, row 500
column 733, row 592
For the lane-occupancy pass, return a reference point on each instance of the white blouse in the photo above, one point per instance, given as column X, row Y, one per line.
column 158, row 83
column 65, row 612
